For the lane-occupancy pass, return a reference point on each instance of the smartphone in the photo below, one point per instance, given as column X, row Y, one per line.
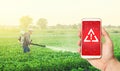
column 91, row 38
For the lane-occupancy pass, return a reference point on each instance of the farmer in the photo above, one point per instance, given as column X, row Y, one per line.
column 25, row 40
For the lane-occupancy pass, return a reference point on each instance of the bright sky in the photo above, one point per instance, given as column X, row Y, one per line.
column 60, row 11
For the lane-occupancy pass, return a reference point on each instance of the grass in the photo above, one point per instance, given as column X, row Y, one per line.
column 12, row 57
column 40, row 59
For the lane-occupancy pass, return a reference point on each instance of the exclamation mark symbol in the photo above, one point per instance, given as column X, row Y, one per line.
column 91, row 37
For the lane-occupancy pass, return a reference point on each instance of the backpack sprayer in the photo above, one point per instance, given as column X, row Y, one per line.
column 38, row 45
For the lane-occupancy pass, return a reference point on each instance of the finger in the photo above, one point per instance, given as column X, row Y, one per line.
column 79, row 50
column 79, row 43
column 106, row 36
column 79, row 33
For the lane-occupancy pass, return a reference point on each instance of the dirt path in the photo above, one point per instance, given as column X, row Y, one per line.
column 61, row 49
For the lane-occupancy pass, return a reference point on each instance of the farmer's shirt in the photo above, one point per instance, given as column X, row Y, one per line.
column 26, row 41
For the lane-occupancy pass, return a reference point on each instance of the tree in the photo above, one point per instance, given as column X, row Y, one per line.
column 25, row 21
column 74, row 26
column 59, row 26
column 42, row 23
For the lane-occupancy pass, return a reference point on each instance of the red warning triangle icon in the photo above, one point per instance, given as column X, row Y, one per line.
column 91, row 37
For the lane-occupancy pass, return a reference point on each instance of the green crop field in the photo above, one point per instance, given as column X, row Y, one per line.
column 12, row 57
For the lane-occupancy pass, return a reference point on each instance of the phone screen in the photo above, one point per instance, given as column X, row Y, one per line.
column 91, row 38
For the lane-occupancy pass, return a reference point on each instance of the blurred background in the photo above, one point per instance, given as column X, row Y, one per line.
column 56, row 24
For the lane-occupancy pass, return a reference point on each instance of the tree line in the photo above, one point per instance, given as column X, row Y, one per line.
column 27, row 21
column 42, row 23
